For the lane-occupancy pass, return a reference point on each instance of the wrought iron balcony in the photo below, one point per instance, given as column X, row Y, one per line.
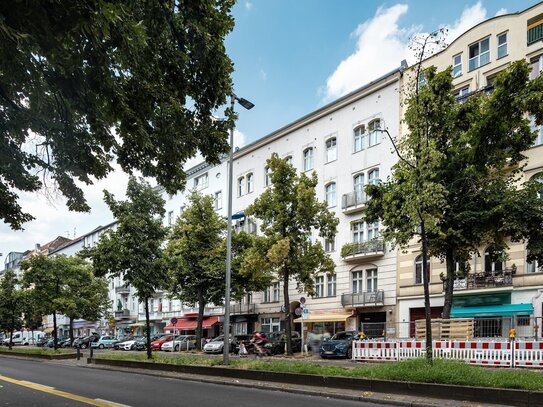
column 122, row 289
column 475, row 281
column 237, row 309
column 365, row 298
column 124, row 313
column 352, row 252
column 353, row 201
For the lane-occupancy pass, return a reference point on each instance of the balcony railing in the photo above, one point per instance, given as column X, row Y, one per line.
column 353, row 201
column 357, row 251
column 365, row 298
column 474, row 281
column 122, row 290
column 236, row 309
column 124, row 313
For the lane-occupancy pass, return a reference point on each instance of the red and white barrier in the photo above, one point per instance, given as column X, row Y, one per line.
column 411, row 349
column 482, row 353
column 375, row 351
column 528, row 354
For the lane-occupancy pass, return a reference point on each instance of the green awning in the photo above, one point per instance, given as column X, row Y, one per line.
column 505, row 310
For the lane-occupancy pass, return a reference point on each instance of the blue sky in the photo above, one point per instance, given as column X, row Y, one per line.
column 291, row 57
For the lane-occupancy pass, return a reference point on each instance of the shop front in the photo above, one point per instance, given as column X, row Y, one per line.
column 187, row 326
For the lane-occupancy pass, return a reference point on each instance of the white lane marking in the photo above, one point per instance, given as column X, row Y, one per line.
column 38, row 384
column 112, row 402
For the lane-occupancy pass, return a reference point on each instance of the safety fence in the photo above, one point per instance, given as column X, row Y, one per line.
column 499, row 353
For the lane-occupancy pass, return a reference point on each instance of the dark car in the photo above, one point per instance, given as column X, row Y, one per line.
column 277, row 340
column 340, row 345
column 141, row 343
column 61, row 342
column 43, row 341
column 86, row 341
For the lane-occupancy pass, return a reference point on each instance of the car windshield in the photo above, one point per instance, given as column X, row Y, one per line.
column 218, row 339
column 341, row 336
column 165, row 338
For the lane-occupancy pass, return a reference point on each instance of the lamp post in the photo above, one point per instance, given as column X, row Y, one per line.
column 226, row 327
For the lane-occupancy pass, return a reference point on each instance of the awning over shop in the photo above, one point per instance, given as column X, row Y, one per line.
column 191, row 324
column 48, row 330
column 137, row 324
column 325, row 318
column 505, row 310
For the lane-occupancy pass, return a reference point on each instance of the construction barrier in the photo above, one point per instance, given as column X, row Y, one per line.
column 488, row 353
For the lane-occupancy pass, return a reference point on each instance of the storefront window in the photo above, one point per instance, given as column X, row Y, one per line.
column 270, row 324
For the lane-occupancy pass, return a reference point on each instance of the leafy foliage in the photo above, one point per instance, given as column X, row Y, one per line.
column 12, row 303
column 86, row 81
column 290, row 213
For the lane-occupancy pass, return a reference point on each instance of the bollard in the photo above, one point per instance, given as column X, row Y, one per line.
column 78, row 354
column 91, row 352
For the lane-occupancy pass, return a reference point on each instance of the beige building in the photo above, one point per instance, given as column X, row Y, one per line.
column 513, row 288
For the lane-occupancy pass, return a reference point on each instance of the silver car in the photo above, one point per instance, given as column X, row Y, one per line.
column 180, row 342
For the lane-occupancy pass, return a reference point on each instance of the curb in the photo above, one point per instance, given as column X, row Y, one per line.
column 520, row 398
column 60, row 356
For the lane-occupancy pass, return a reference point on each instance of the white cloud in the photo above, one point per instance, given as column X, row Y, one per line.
column 470, row 17
column 248, row 5
column 501, row 12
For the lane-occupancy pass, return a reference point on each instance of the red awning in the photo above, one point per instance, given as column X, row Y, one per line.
column 190, row 324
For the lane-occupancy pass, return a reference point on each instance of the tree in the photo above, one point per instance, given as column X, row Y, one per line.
column 134, row 250
column 196, row 254
column 290, row 213
column 11, row 305
column 86, row 81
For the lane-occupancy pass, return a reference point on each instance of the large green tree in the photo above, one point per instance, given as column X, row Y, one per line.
column 86, row 81
column 11, row 304
column 133, row 250
column 290, row 213
column 196, row 255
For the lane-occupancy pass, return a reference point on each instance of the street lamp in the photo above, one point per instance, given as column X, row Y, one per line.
column 226, row 327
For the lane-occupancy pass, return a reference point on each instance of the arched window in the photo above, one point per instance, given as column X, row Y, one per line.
column 308, row 159
column 250, row 183
column 331, row 195
column 267, row 176
column 374, row 177
column 331, row 149
column 493, row 261
column 241, row 185
column 359, row 138
column 419, row 275
column 374, row 129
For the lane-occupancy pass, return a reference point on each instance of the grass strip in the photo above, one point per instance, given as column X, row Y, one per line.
column 415, row 370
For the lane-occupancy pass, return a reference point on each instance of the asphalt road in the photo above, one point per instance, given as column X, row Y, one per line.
column 22, row 383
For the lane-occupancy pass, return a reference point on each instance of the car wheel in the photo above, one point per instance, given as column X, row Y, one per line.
column 350, row 353
column 177, row 348
column 101, row 346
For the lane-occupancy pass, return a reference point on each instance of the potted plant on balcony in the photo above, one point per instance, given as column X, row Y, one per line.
column 348, row 249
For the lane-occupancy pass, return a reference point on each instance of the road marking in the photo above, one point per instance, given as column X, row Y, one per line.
column 113, row 403
column 60, row 393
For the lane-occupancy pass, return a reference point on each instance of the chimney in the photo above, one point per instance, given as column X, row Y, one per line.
column 38, row 247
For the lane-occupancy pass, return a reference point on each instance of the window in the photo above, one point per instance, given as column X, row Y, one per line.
column 331, row 149
column 267, row 294
column 331, row 285
column 534, row 267
column 422, row 82
column 373, row 230
column 358, row 232
column 267, row 176
column 374, row 132
column 358, row 279
column 523, row 321
column 170, row 218
column 535, row 29
column 276, row 292
column 359, row 138
column 493, row 261
column 250, row 183
column 461, row 94
column 539, row 129
column 329, row 245
column 502, row 45
column 537, row 67
column 308, row 159
column 201, row 182
column 270, row 324
column 241, row 185
column 418, row 269
column 319, row 287
column 479, row 54
column 359, row 187
column 218, row 200
column 331, row 195
column 374, row 177
column 457, row 66
column 371, row 280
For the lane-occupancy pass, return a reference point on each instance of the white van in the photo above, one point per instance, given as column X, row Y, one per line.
column 25, row 337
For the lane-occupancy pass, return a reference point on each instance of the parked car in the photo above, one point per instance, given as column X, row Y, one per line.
column 141, row 344
column 24, row 338
column 157, row 344
column 61, row 342
column 43, row 341
column 122, row 340
column 180, row 342
column 277, row 340
column 339, row 345
column 129, row 344
column 86, row 341
column 104, row 342
column 217, row 345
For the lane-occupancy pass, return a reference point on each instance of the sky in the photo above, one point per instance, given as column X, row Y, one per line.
column 290, row 58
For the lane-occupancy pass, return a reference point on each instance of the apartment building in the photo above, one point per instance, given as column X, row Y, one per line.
column 512, row 288
column 342, row 143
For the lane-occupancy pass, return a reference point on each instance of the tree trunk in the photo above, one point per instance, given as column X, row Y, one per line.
column 288, row 315
column 10, row 338
column 449, row 284
column 425, row 280
column 55, row 335
column 71, row 330
column 148, row 329
column 200, row 321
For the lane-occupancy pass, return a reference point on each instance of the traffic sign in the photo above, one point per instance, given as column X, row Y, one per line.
column 302, row 300
column 298, row 311
column 173, row 321
column 306, row 312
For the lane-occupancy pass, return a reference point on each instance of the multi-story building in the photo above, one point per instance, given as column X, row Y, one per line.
column 511, row 288
column 343, row 144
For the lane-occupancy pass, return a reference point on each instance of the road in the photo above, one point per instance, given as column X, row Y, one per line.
column 33, row 383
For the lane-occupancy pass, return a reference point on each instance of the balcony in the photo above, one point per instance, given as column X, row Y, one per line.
column 363, row 299
column 238, row 309
column 122, row 314
column 476, row 281
column 355, row 252
column 122, row 290
column 353, row 202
